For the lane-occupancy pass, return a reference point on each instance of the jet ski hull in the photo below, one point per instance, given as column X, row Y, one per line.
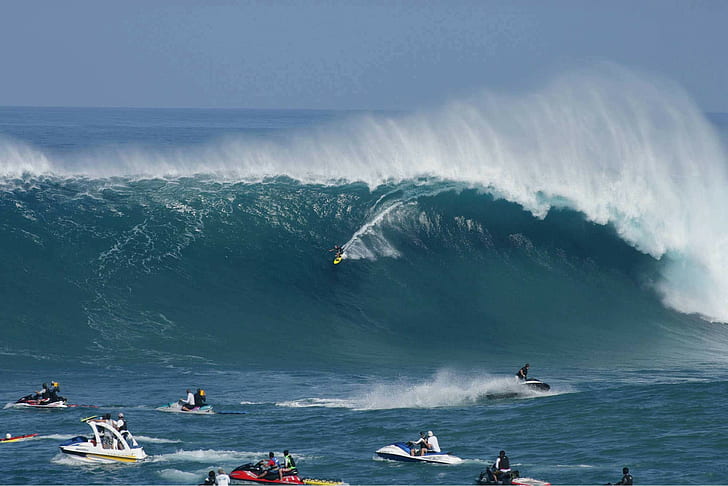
column 520, row 482
column 40, row 404
column 524, row 389
column 249, row 477
column 249, row 473
column 175, row 407
column 488, row 478
column 538, row 385
column 399, row 451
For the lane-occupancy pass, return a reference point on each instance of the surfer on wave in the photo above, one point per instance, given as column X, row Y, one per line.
column 338, row 251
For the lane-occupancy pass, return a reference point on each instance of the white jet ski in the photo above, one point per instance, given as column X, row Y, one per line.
column 107, row 445
column 38, row 404
column 176, row 407
column 400, row 451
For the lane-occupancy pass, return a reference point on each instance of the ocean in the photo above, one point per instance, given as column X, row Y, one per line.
column 580, row 228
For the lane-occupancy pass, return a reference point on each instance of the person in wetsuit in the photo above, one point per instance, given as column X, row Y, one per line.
column 200, row 398
column 523, row 372
column 626, row 477
column 338, row 250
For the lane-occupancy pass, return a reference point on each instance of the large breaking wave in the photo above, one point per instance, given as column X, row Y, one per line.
column 603, row 177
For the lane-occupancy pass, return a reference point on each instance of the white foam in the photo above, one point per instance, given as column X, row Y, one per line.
column 317, row 402
column 180, row 477
column 156, row 440
column 445, row 389
column 208, row 456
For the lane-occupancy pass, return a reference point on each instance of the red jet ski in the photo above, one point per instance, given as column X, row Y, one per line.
column 250, row 472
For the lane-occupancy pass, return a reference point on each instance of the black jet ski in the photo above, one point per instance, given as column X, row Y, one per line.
column 523, row 389
column 513, row 477
column 535, row 384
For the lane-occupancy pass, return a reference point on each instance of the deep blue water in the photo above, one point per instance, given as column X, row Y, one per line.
column 148, row 251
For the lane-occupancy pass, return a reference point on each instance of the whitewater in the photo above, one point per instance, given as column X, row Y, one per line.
column 578, row 226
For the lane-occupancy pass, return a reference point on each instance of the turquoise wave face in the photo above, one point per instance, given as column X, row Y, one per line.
column 193, row 268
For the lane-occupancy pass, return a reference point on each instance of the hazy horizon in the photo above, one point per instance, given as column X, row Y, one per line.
column 354, row 55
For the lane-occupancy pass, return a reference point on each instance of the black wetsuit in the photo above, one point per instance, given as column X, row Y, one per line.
column 626, row 479
column 523, row 373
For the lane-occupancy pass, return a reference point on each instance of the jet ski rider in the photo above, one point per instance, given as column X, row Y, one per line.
column 43, row 394
column 502, row 466
column 270, row 466
column 53, row 392
column 626, row 477
column 200, row 398
column 432, row 443
column 189, row 402
column 523, row 372
column 422, row 442
column 289, row 465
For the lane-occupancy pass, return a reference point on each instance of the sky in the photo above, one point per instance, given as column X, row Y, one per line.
column 326, row 54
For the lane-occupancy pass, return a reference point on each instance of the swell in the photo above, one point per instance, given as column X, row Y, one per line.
column 194, row 270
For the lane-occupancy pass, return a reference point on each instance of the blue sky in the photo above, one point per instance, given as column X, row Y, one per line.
column 342, row 54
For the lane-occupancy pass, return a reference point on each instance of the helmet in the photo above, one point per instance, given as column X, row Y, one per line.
column 429, row 433
column 7, row 436
column 121, row 414
column 202, row 392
